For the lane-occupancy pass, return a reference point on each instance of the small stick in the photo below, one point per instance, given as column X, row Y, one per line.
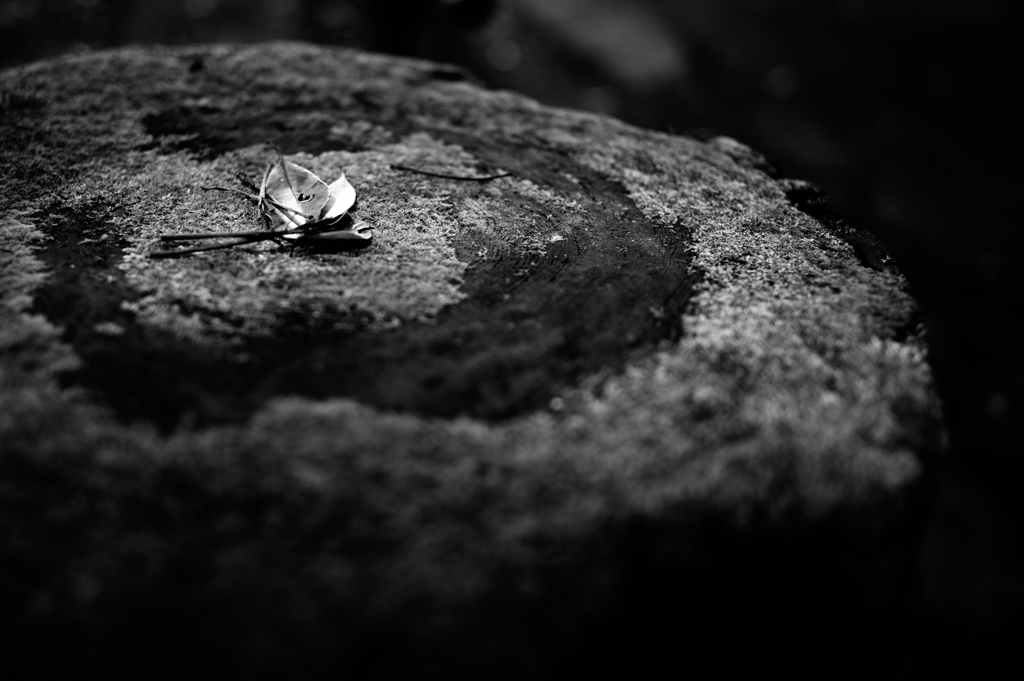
column 263, row 196
column 263, row 184
column 284, row 217
column 284, row 171
column 485, row 178
column 197, row 249
column 260, row 201
column 261, row 234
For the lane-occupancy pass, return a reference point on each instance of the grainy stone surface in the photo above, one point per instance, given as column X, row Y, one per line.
column 631, row 385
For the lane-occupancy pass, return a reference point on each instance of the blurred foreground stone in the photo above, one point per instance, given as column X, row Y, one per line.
column 639, row 401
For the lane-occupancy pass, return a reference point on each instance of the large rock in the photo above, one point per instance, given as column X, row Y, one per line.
column 626, row 402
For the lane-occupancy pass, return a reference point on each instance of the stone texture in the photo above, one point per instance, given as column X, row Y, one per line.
column 639, row 391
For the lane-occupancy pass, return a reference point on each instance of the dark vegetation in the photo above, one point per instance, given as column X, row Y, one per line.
column 903, row 111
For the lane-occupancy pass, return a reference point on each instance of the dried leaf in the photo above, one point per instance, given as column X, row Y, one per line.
column 298, row 190
column 298, row 206
column 342, row 197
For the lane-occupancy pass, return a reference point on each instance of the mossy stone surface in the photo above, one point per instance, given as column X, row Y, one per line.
column 533, row 406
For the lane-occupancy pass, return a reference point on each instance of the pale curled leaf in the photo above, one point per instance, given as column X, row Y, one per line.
column 298, row 206
column 297, row 189
column 342, row 198
column 344, row 195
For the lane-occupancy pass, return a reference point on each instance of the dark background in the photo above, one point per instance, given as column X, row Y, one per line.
column 904, row 111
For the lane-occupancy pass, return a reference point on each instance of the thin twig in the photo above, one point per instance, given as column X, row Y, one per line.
column 258, row 200
column 261, row 234
column 263, row 184
column 197, row 249
column 485, row 178
column 284, row 171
